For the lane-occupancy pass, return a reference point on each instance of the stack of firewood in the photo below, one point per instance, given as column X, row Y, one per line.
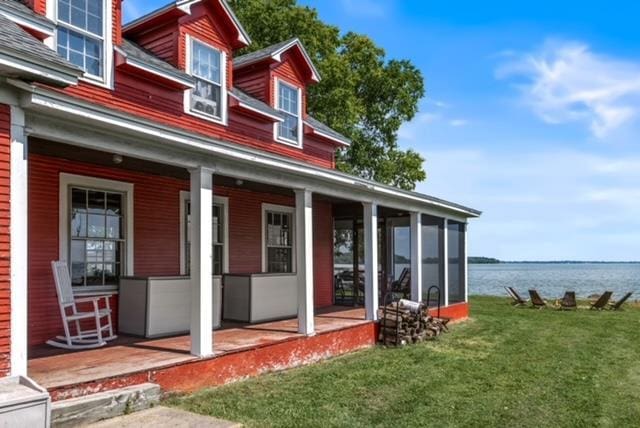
column 400, row 325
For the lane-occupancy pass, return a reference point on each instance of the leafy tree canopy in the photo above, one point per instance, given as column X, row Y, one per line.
column 362, row 94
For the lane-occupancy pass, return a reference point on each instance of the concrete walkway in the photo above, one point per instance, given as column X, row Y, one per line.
column 161, row 417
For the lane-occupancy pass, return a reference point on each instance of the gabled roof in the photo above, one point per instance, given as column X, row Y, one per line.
column 183, row 7
column 274, row 53
column 255, row 105
column 24, row 56
column 140, row 58
column 324, row 131
column 22, row 15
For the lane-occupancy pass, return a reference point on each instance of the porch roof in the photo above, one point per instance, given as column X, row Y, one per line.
column 154, row 141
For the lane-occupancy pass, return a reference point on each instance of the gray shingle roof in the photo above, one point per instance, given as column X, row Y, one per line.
column 18, row 8
column 14, row 40
column 316, row 124
column 260, row 54
column 134, row 51
column 255, row 103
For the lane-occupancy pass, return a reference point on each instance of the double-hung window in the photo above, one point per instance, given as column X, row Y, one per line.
column 206, row 68
column 80, row 34
column 279, row 241
column 97, row 238
column 289, row 105
column 218, row 230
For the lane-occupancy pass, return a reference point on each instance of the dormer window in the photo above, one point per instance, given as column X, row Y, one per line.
column 80, row 34
column 206, row 65
column 289, row 102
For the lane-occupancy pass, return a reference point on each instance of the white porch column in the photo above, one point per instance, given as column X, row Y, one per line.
column 370, row 218
column 466, row 263
column 201, row 262
column 445, row 245
column 18, row 246
column 304, row 261
column 416, row 256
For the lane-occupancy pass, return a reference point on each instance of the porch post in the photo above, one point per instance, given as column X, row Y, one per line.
column 416, row 256
column 201, row 262
column 370, row 219
column 18, row 246
column 445, row 260
column 304, row 261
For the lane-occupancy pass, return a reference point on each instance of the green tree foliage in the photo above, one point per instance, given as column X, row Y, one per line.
column 362, row 94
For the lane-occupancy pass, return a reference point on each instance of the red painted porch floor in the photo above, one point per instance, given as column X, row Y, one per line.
column 53, row 368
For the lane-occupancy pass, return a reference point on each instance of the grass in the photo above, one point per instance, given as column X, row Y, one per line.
column 504, row 367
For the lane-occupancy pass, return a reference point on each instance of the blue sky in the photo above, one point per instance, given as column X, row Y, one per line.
column 532, row 115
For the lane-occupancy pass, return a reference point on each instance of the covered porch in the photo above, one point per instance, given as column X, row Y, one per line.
column 240, row 350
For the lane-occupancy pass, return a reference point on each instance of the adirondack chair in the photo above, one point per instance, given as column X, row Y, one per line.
column 517, row 300
column 568, row 301
column 602, row 301
column 73, row 319
column 536, row 300
column 614, row 306
column 403, row 284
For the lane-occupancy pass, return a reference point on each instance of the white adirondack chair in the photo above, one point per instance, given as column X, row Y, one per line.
column 71, row 317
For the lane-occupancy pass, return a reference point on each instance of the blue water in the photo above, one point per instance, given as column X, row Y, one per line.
column 552, row 280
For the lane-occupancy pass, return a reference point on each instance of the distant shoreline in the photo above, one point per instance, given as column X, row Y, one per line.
column 492, row 261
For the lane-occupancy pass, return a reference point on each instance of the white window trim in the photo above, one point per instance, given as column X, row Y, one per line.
column 223, row 120
column 106, row 80
column 283, row 209
column 220, row 200
column 276, row 125
column 69, row 180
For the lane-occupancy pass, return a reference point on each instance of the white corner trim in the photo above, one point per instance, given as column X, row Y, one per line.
column 218, row 200
column 106, row 81
column 297, row 144
column 282, row 209
column 224, row 117
column 68, row 180
column 18, row 227
column 445, row 246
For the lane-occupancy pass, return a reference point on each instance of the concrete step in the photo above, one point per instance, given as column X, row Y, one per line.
column 104, row 405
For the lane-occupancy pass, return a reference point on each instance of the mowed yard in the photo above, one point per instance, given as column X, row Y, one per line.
column 503, row 367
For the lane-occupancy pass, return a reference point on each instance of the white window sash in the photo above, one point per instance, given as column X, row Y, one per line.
column 284, row 209
column 276, row 126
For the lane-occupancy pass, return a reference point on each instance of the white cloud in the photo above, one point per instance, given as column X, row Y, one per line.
column 458, row 122
column 568, row 82
column 543, row 203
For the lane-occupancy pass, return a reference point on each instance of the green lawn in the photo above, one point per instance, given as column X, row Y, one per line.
column 504, row 367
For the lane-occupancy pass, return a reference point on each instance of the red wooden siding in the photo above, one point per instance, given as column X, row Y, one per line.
column 156, row 232
column 5, row 240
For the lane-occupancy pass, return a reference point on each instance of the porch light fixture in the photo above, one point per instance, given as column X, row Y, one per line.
column 117, row 159
column 239, row 182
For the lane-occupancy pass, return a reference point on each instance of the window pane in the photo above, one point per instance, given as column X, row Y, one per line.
column 96, row 202
column 289, row 128
column 217, row 259
column 94, row 251
column 96, row 226
column 95, row 274
column 109, row 251
column 114, row 203
column 77, row 251
column 78, row 17
column 110, row 274
column 63, row 10
column 77, row 274
column 205, row 62
column 279, row 260
column 113, row 227
column 205, row 98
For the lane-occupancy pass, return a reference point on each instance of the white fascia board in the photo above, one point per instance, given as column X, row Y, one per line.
column 43, row 71
column 255, row 110
column 52, row 101
column 153, row 70
column 327, row 136
column 30, row 23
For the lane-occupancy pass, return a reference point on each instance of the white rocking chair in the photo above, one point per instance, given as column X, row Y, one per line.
column 83, row 339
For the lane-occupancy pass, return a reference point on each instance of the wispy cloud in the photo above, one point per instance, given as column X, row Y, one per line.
column 543, row 203
column 458, row 122
column 566, row 81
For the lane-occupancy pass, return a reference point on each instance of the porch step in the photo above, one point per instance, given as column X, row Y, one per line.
column 104, row 405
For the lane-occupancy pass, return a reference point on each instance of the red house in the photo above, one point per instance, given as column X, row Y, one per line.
column 192, row 185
